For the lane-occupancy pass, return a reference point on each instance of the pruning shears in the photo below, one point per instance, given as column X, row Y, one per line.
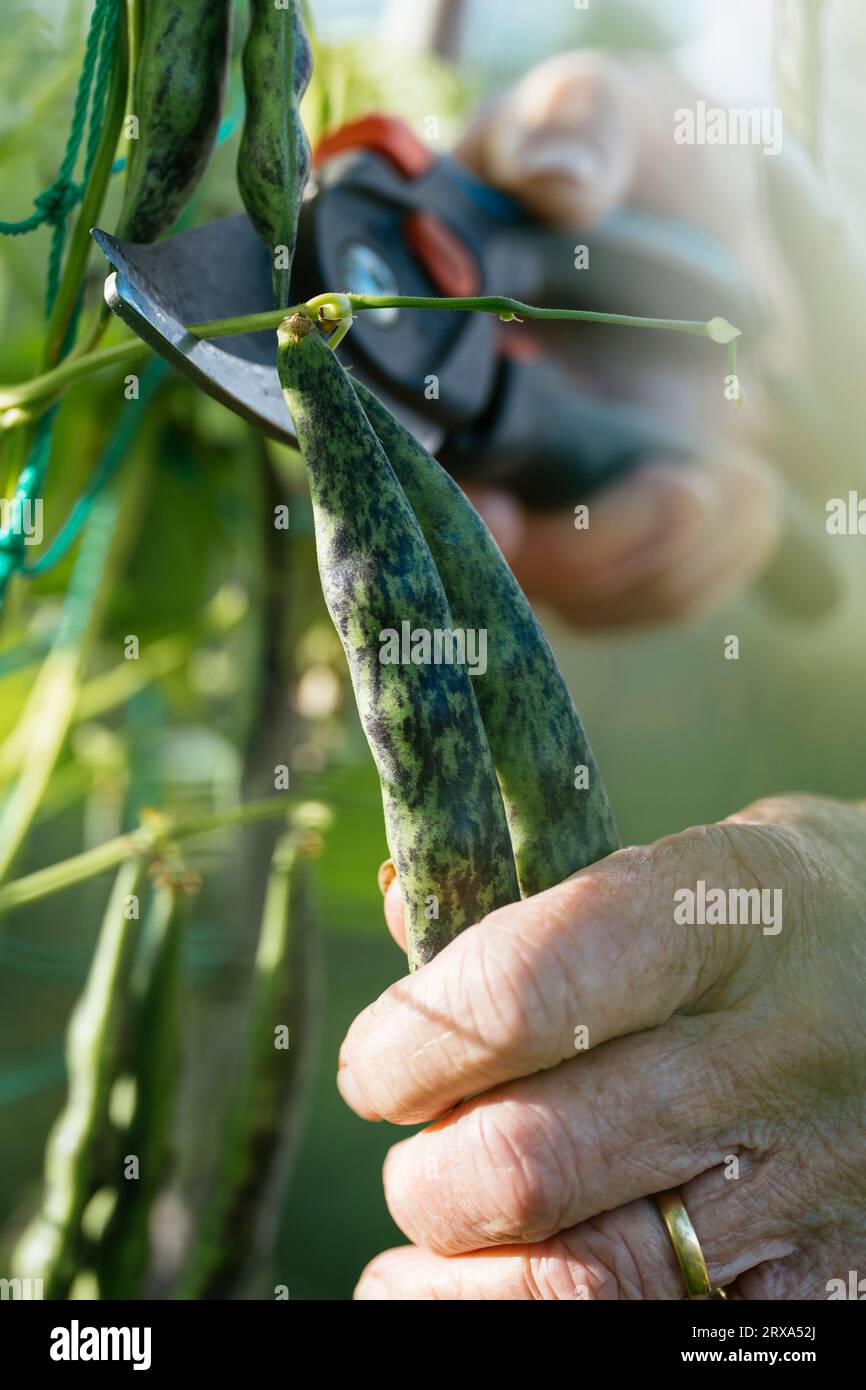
column 384, row 215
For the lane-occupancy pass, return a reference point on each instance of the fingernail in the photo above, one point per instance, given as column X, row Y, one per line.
column 386, row 875
column 558, row 157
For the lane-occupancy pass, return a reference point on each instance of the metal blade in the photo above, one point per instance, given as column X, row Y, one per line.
column 218, row 271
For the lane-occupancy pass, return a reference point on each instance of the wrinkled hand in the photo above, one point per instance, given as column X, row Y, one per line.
column 728, row 1061
column 578, row 137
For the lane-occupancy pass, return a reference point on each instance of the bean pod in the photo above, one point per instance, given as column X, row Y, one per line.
column 539, row 747
column 178, row 87
column 274, row 157
column 50, row 1247
column 263, row 1120
column 444, row 817
column 153, row 1048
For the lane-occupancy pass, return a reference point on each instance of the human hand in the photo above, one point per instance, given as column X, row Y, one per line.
column 728, row 1061
column 578, row 137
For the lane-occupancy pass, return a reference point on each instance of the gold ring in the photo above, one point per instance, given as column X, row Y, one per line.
column 687, row 1247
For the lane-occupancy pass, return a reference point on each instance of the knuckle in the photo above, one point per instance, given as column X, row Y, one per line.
column 500, row 992
column 787, row 856
column 615, row 1261
column 588, row 1264
column 551, row 1273
column 525, row 1171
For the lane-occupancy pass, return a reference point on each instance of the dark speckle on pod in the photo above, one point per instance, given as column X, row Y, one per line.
column 444, row 816
column 535, row 733
column 274, row 155
column 177, row 95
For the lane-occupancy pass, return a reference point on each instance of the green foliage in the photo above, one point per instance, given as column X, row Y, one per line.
column 236, row 671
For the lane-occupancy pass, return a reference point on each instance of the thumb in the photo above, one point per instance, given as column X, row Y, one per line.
column 563, row 140
column 393, row 903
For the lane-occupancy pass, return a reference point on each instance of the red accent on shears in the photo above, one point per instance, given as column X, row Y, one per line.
column 446, row 259
column 385, row 135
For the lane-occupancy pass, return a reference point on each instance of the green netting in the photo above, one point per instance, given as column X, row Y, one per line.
column 53, row 206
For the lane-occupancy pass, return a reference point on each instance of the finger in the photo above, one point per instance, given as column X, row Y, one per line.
column 600, row 951
column 625, row 1254
column 563, row 140
column 504, row 517
column 661, row 544
column 533, row 1157
column 588, row 1265
column 394, row 908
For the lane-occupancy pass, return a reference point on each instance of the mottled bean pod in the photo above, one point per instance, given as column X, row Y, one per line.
column 178, row 87
column 274, row 157
column 153, row 1050
column 49, row 1248
column 444, row 817
column 263, row 1120
column 558, row 813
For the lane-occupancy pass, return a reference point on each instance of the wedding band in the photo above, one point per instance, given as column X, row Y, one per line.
column 687, row 1247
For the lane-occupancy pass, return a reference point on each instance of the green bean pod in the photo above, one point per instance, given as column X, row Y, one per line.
column 153, row 1049
column 49, row 1248
column 178, row 87
column 535, row 734
column 263, row 1120
column 274, row 156
column 444, row 816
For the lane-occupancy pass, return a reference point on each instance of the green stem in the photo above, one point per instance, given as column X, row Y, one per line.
column 488, row 304
column 88, row 215
column 119, row 683
column 37, row 394
column 149, row 839
column 48, row 714
column 134, row 21
column 42, row 390
column 245, row 323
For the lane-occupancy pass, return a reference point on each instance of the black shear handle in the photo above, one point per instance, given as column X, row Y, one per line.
column 551, row 445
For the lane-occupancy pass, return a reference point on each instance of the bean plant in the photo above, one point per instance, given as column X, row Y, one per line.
column 479, row 801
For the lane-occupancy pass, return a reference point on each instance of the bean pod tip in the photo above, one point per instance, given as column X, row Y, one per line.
column 293, row 329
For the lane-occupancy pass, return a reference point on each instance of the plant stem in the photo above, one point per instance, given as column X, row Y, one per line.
column 88, row 215
column 49, row 710
column 42, row 390
column 119, row 683
column 245, row 323
column 149, row 839
column 487, row 304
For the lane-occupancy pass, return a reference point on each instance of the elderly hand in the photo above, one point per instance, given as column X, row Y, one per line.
column 613, row 1050
column 579, row 136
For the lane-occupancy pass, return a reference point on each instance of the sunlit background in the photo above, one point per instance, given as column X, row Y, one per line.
column 681, row 735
